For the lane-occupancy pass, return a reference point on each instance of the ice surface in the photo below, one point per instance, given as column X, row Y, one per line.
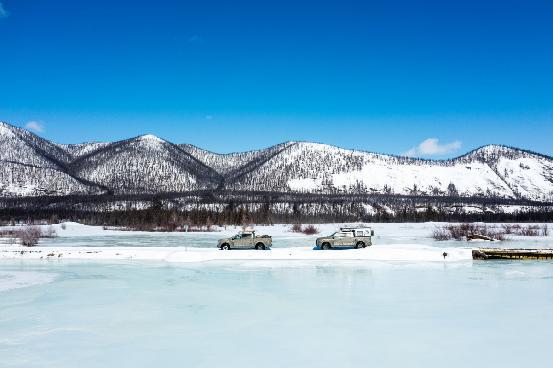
column 20, row 279
column 231, row 314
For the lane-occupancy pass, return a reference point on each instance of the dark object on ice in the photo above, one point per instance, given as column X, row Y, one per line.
column 498, row 253
column 445, row 254
column 479, row 237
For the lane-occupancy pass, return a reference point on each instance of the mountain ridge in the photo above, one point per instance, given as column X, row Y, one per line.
column 148, row 164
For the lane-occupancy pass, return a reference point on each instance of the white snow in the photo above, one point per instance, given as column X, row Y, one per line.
column 150, row 139
column 403, row 253
column 304, row 184
column 5, row 130
column 470, row 179
column 528, row 176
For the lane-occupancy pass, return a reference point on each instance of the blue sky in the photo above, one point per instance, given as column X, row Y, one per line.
column 228, row 76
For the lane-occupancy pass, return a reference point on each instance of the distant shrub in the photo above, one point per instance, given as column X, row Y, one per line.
column 441, row 234
column 63, row 226
column 10, row 235
column 29, row 236
column 478, row 231
column 48, row 233
column 531, row 230
column 310, row 230
column 467, row 231
column 297, row 228
column 507, row 228
column 499, row 236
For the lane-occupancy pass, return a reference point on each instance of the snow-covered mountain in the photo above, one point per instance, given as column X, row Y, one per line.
column 32, row 166
column 491, row 171
column 232, row 163
column 146, row 164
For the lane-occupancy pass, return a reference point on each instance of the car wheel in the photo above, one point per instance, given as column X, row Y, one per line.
column 325, row 246
column 225, row 247
column 260, row 246
column 360, row 245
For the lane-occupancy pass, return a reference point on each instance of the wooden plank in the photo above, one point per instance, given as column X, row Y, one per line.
column 498, row 253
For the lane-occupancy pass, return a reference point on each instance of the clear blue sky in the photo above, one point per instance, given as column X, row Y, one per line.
column 236, row 75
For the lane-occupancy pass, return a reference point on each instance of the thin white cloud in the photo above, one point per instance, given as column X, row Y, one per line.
column 195, row 39
column 35, row 126
column 432, row 147
column 3, row 12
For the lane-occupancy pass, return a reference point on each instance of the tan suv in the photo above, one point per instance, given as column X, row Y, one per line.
column 359, row 237
column 246, row 240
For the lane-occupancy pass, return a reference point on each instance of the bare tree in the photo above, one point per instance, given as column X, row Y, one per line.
column 452, row 190
column 29, row 235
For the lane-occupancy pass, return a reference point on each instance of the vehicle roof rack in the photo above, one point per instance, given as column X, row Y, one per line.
column 349, row 228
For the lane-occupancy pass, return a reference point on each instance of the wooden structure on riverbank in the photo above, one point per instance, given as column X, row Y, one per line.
column 498, row 253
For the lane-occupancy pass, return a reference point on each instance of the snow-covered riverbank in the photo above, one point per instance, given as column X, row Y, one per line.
column 392, row 242
column 407, row 252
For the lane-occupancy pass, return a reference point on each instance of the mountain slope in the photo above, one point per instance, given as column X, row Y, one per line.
column 146, row 164
column 79, row 150
column 319, row 168
column 528, row 174
column 31, row 166
column 235, row 165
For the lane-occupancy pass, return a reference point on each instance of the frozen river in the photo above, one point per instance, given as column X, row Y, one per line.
column 275, row 314
column 385, row 234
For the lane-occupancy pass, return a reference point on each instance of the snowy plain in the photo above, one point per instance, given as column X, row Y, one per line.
column 392, row 242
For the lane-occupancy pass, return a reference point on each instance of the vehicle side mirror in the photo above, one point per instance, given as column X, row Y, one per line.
column 372, row 232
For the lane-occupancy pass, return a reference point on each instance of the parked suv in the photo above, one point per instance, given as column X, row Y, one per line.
column 358, row 237
column 246, row 240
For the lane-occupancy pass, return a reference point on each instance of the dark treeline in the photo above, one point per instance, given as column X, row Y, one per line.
column 160, row 216
column 229, row 196
column 204, row 208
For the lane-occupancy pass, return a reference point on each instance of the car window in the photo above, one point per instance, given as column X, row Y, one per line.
column 246, row 236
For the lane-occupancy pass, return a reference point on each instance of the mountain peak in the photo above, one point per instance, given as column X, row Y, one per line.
column 494, row 151
column 150, row 138
column 490, row 148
